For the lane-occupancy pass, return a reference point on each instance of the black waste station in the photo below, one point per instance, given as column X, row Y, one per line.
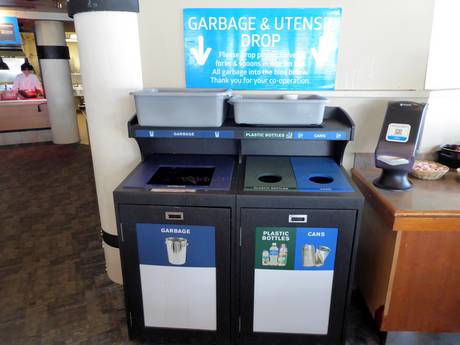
column 239, row 234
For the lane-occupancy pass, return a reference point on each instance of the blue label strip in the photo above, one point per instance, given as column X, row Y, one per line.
column 321, row 136
column 310, row 135
column 397, row 138
column 192, row 134
column 141, row 133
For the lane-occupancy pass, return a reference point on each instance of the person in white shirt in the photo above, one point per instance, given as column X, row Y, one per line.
column 27, row 80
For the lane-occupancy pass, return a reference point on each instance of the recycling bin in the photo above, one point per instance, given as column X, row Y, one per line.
column 239, row 235
column 297, row 236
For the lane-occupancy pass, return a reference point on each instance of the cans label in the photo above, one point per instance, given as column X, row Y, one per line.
column 283, row 248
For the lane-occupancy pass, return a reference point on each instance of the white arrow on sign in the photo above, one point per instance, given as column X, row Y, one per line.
column 327, row 47
column 200, row 54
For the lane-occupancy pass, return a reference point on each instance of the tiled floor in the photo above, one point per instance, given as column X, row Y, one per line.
column 82, row 128
column 53, row 286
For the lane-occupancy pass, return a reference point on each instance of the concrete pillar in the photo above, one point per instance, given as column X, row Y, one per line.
column 54, row 62
column 108, row 41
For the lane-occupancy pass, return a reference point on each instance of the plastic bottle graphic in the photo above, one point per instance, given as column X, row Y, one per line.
column 273, row 255
column 265, row 258
column 282, row 257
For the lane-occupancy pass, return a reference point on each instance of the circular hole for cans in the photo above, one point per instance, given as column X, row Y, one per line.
column 270, row 178
column 321, row 179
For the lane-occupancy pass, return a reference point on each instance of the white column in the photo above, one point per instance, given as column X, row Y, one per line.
column 111, row 67
column 57, row 83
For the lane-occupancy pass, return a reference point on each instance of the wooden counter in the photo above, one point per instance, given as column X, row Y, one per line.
column 24, row 115
column 408, row 265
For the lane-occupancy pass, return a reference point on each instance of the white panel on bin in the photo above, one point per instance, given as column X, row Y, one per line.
column 179, row 297
column 292, row 301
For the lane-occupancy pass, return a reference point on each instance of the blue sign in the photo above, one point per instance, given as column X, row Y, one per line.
column 9, row 31
column 315, row 249
column 226, row 134
column 311, row 135
column 321, row 135
column 397, row 138
column 261, row 48
column 176, row 245
column 196, row 134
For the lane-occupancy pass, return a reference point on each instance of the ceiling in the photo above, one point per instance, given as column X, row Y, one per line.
column 35, row 5
column 27, row 25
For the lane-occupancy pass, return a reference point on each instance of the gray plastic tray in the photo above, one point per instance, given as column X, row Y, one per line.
column 181, row 107
column 302, row 110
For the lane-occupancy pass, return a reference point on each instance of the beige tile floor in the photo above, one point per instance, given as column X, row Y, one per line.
column 82, row 128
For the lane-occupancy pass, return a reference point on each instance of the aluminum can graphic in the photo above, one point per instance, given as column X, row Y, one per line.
column 308, row 255
column 177, row 250
column 321, row 254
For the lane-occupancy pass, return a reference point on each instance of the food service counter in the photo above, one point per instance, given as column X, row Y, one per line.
column 26, row 114
column 408, row 255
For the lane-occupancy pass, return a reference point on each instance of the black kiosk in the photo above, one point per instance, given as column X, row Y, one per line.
column 398, row 142
column 239, row 234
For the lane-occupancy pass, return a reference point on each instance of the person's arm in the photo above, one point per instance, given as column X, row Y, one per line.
column 38, row 85
column 16, row 83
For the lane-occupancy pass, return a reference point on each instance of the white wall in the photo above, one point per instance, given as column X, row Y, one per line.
column 444, row 58
column 442, row 124
column 384, row 44
column 383, row 53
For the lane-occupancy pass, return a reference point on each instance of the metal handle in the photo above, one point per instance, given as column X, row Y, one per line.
column 174, row 215
column 298, row 218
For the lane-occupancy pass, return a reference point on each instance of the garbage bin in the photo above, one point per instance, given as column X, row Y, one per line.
column 175, row 214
